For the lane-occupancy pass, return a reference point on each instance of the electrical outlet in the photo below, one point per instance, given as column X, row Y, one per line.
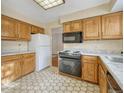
column 19, row 44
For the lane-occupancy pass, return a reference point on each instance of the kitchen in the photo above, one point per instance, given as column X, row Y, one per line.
column 75, row 47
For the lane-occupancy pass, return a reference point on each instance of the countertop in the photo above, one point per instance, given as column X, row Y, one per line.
column 115, row 68
column 15, row 53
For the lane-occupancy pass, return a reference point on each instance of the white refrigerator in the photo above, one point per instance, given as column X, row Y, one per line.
column 41, row 45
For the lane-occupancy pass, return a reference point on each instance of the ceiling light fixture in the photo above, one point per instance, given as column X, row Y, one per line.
column 46, row 4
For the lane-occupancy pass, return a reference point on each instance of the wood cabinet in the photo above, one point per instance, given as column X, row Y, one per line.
column 89, row 68
column 28, row 64
column 67, row 27
column 10, row 69
column 112, row 26
column 15, row 66
column 55, row 60
column 108, row 26
column 12, row 29
column 102, row 80
column 76, row 26
column 92, row 28
column 35, row 30
column 8, row 28
column 24, row 30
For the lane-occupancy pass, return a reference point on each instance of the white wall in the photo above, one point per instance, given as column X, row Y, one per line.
column 15, row 15
column 114, row 46
column 105, row 45
column 95, row 11
column 13, row 46
column 52, row 25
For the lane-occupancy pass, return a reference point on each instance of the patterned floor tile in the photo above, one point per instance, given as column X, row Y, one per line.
column 49, row 81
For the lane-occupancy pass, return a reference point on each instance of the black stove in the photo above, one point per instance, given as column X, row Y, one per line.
column 70, row 62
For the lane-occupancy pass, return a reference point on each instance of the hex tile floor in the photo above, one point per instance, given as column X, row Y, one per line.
column 49, row 81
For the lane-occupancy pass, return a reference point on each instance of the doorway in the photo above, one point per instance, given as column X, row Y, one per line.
column 57, row 44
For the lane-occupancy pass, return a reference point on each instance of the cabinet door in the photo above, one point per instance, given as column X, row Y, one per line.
column 28, row 64
column 11, row 70
column 102, row 81
column 35, row 30
column 24, row 30
column 112, row 26
column 8, row 28
column 41, row 30
column 89, row 71
column 17, row 69
column 55, row 61
column 92, row 28
column 67, row 27
column 76, row 26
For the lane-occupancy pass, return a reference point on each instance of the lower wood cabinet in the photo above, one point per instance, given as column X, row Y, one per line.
column 15, row 66
column 89, row 68
column 10, row 68
column 28, row 64
column 55, row 61
column 102, row 79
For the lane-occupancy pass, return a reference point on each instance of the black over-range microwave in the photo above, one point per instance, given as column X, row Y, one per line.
column 72, row 37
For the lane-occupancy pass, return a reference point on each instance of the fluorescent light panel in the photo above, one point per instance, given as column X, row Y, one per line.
column 46, row 4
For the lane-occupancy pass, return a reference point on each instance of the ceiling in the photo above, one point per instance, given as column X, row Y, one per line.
column 31, row 10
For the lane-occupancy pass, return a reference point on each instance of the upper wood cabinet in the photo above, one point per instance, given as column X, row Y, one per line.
column 8, row 28
column 76, row 26
column 24, row 30
column 112, row 26
column 108, row 26
column 92, row 28
column 67, row 27
column 89, row 68
column 35, row 29
column 12, row 29
column 28, row 64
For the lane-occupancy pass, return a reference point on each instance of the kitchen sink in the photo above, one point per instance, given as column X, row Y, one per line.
column 115, row 59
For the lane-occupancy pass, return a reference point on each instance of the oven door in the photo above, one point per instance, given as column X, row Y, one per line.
column 113, row 87
column 74, row 37
column 70, row 66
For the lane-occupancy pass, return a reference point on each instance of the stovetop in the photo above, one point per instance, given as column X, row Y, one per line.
column 70, row 54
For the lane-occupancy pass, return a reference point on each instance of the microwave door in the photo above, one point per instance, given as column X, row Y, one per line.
column 74, row 37
column 69, row 38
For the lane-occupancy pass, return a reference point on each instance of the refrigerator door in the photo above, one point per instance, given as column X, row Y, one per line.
column 44, row 40
column 43, row 57
column 38, row 40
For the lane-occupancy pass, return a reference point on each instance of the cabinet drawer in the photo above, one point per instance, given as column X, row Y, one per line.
column 9, row 58
column 91, row 59
column 29, row 55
